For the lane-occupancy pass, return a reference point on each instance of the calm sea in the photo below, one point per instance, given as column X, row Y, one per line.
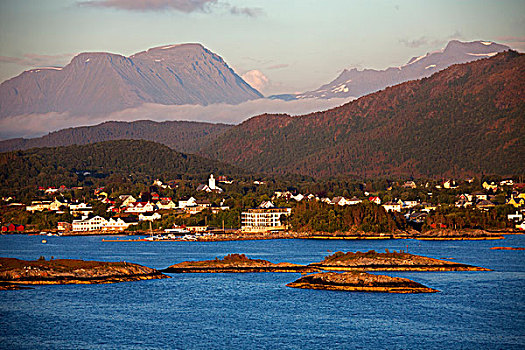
column 475, row 310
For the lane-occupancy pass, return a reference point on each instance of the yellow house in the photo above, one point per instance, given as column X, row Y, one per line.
column 492, row 186
column 516, row 202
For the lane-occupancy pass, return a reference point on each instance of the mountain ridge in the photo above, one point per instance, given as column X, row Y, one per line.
column 356, row 83
column 97, row 83
column 182, row 136
column 466, row 119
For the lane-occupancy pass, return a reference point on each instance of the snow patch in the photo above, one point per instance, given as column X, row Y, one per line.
column 340, row 88
column 430, row 66
column 42, row 68
column 168, row 47
column 490, row 54
column 158, row 60
column 487, row 43
column 86, row 61
column 419, row 58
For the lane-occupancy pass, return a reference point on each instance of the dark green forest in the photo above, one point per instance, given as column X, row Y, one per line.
column 136, row 161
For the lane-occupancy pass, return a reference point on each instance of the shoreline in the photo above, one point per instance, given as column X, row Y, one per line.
column 449, row 235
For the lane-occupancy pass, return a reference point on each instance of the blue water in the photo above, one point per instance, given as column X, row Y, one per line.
column 475, row 310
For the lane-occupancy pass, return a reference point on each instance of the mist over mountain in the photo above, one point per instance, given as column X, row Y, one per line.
column 466, row 119
column 101, row 83
column 357, row 83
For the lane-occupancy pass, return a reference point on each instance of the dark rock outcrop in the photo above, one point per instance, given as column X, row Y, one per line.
column 373, row 261
column 359, row 282
column 15, row 272
column 236, row 263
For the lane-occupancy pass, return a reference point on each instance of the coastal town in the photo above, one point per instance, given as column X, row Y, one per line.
column 187, row 216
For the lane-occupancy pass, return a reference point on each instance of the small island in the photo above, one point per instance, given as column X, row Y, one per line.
column 359, row 282
column 389, row 261
column 236, row 263
column 15, row 273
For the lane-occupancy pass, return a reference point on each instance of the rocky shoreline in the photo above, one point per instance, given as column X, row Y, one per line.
column 359, row 282
column 15, row 273
column 389, row 261
column 236, row 263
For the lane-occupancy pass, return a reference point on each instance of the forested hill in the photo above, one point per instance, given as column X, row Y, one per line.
column 467, row 119
column 182, row 136
column 135, row 160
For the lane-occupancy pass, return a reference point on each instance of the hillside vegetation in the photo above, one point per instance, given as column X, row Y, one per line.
column 183, row 136
column 466, row 120
column 82, row 165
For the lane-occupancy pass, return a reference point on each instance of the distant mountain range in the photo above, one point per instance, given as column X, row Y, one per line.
column 466, row 119
column 183, row 136
column 101, row 83
column 357, row 83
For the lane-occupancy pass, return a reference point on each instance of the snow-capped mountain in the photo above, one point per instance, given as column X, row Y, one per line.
column 100, row 83
column 356, row 83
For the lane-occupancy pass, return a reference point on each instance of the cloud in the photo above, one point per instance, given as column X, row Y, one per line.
column 423, row 41
column 279, row 66
column 35, row 60
column 34, row 125
column 248, row 11
column 511, row 39
column 428, row 42
column 152, row 5
column 186, row 6
column 516, row 42
column 256, row 79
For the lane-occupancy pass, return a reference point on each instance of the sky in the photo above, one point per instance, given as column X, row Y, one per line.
column 279, row 46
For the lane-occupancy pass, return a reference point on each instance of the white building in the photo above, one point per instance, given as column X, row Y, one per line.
column 392, row 206
column 127, row 200
column 266, row 205
column 117, row 225
column 262, row 220
column 96, row 223
column 38, row 206
column 140, row 207
column 151, row 217
column 191, row 202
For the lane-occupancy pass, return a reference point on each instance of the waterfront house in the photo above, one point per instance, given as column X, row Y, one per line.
column 13, row 228
column 118, row 224
column 93, row 224
column 264, row 219
column 64, row 226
